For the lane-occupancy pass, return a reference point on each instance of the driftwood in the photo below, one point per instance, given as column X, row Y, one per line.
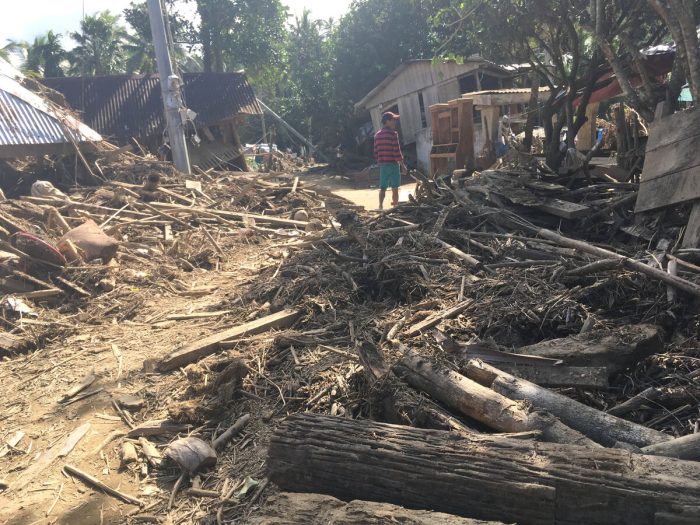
column 90, row 480
column 480, row 403
column 599, row 426
column 613, row 349
column 631, row 264
column 478, row 476
column 207, row 346
column 316, row 509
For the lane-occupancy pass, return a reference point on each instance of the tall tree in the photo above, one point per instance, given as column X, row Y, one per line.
column 100, row 45
column 10, row 49
column 309, row 88
column 236, row 34
column 44, row 55
column 370, row 41
column 138, row 44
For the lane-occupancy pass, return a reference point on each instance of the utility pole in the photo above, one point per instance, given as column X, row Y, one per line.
column 170, row 88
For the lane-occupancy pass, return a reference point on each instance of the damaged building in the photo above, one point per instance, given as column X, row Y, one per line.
column 416, row 85
column 125, row 108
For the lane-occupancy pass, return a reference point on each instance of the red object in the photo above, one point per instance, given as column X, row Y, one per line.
column 389, row 116
column 37, row 248
column 386, row 146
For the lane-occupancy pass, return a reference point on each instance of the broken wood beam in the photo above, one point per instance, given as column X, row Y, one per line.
column 480, row 403
column 598, row 426
column 638, row 266
column 478, row 476
column 613, row 349
column 207, row 346
column 437, row 318
column 560, row 376
column 317, row 509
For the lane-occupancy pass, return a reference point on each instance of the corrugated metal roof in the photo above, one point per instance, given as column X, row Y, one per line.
column 125, row 106
column 28, row 119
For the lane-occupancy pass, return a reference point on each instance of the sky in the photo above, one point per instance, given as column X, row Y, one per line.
column 23, row 20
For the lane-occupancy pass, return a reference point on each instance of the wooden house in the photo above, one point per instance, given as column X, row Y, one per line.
column 416, row 85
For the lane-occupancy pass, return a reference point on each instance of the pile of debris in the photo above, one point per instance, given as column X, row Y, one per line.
column 503, row 347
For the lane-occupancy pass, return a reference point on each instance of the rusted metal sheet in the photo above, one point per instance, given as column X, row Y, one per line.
column 125, row 106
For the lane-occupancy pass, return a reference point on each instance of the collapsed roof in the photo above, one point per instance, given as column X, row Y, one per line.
column 126, row 106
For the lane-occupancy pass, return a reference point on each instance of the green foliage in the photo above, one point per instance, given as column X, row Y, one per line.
column 100, row 48
column 138, row 44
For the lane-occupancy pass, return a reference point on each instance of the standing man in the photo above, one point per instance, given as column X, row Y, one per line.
column 387, row 152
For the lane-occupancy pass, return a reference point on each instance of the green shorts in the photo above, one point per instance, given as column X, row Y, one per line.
column 389, row 175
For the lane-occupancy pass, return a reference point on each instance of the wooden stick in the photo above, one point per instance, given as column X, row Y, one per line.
column 435, row 319
column 635, row 402
column 90, row 480
column 239, row 425
column 638, row 266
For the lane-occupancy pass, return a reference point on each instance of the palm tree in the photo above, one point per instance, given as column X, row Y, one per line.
column 43, row 56
column 10, row 49
column 100, row 49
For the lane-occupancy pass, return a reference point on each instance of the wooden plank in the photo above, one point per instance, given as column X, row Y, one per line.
column 564, row 209
column 691, row 237
column 671, row 129
column 560, row 376
column 671, row 189
column 680, row 156
column 207, row 346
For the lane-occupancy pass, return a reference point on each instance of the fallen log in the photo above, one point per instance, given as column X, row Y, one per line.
column 686, row 447
column 639, row 266
column 613, row 349
column 480, row 403
column 478, row 476
column 600, row 427
column 207, row 346
column 316, row 509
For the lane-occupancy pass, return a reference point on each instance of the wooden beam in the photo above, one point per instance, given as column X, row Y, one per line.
column 207, row 346
column 691, row 237
column 267, row 219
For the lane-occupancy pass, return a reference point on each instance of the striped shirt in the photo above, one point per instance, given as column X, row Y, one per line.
column 386, row 146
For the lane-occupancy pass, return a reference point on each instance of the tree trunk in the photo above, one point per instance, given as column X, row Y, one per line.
column 315, row 509
column 480, row 477
column 684, row 14
column 686, row 447
column 531, row 110
column 480, row 403
column 600, row 427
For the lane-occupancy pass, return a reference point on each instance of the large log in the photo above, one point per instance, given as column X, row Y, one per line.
column 480, row 477
column 603, row 428
column 614, row 349
column 480, row 403
column 315, row 509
